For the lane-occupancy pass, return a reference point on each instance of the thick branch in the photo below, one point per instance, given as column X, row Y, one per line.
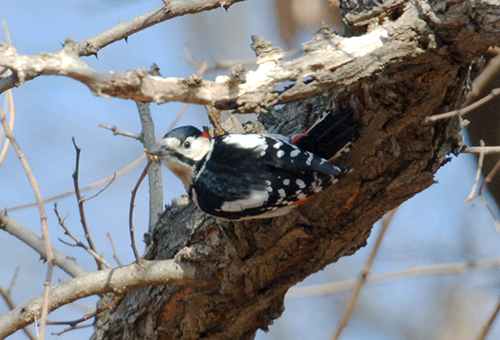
column 325, row 53
column 16, row 229
column 118, row 280
column 121, row 31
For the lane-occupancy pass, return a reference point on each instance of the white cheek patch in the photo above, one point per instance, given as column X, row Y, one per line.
column 199, row 148
column 247, row 141
column 255, row 199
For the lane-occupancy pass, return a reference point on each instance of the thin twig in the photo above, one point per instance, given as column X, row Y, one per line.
column 8, row 299
column 487, row 78
column 43, row 217
column 362, row 277
column 14, row 278
column 79, row 243
column 9, row 107
column 100, row 191
column 117, row 131
column 489, row 177
column 417, row 271
column 131, row 211
column 191, row 55
column 478, row 173
column 88, row 187
column 488, row 325
column 72, row 329
column 7, row 34
column 86, row 317
column 497, row 222
column 115, row 254
column 487, row 150
column 494, row 93
column 81, row 201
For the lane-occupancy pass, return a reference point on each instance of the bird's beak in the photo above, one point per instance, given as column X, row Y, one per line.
column 156, row 152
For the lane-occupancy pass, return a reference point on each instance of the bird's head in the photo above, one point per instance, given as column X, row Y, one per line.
column 181, row 150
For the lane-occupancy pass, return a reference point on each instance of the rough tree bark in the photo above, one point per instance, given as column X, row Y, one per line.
column 422, row 69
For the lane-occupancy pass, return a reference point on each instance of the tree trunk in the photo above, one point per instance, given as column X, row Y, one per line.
column 421, row 69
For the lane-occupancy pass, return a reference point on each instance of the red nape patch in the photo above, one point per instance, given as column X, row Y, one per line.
column 300, row 202
column 295, row 139
column 204, row 134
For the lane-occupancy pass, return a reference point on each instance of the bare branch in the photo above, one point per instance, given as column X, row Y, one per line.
column 490, row 175
column 170, row 10
column 253, row 95
column 115, row 254
column 478, row 172
column 117, row 280
column 487, row 327
column 80, row 202
column 43, row 216
column 418, row 271
column 86, row 317
column 362, row 278
column 131, row 211
column 485, row 150
column 8, row 299
column 102, row 190
column 79, row 243
column 121, row 31
column 16, row 229
column 9, row 107
column 14, row 278
column 494, row 93
column 72, row 329
column 88, row 187
column 497, row 222
column 117, row 131
column 154, row 170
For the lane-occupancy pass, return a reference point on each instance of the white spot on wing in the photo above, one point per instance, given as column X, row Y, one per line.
column 280, row 153
column 277, row 145
column 294, row 153
column 282, row 192
column 286, row 182
column 269, row 187
column 309, row 159
column 255, row 199
column 300, row 183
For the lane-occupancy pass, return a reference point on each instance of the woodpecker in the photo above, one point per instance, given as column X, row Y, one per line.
column 245, row 176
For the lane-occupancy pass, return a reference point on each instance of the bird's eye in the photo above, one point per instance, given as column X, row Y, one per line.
column 187, row 145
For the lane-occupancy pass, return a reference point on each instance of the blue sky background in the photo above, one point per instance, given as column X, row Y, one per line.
column 434, row 227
